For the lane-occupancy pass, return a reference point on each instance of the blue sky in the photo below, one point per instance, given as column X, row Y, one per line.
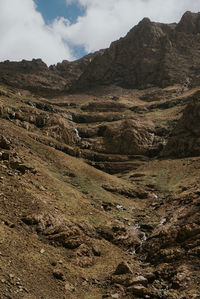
column 52, row 9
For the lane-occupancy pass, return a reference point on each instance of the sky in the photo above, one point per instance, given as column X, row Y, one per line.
column 57, row 30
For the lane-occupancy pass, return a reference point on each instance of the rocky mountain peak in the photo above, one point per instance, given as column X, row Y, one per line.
column 189, row 23
column 146, row 31
column 151, row 54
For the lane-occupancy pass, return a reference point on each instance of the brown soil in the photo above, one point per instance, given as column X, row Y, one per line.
column 99, row 190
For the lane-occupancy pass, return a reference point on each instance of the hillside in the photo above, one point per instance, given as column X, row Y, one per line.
column 37, row 77
column 100, row 171
column 151, row 54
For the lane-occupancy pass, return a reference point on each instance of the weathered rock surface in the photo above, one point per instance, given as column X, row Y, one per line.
column 4, row 143
column 104, row 106
column 184, row 140
column 36, row 76
column 150, row 54
column 121, row 235
column 128, row 137
column 60, row 232
column 174, row 244
column 122, row 268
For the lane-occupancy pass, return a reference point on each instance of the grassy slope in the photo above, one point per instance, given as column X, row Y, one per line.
column 74, row 189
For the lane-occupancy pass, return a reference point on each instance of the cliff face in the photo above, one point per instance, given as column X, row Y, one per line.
column 184, row 140
column 37, row 77
column 32, row 75
column 151, row 54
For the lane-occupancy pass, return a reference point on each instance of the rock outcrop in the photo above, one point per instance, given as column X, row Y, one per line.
column 60, row 232
column 185, row 138
column 174, row 244
column 151, row 54
column 37, row 77
column 128, row 137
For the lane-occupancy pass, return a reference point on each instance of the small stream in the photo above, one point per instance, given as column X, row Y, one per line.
column 77, row 133
column 142, row 236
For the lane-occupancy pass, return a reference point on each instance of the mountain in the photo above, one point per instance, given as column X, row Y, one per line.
column 100, row 170
column 151, row 54
column 37, row 77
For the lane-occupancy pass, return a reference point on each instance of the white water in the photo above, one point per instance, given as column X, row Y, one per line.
column 143, row 237
column 77, row 133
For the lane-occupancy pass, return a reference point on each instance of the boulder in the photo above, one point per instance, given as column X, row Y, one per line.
column 122, row 268
column 139, row 280
column 4, row 143
column 138, row 290
column 121, row 235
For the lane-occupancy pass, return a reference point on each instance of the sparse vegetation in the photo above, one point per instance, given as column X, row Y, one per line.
column 99, row 190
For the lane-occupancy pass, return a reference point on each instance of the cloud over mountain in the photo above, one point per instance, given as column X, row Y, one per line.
column 24, row 34
column 107, row 20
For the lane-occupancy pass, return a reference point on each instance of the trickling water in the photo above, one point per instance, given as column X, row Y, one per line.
column 163, row 220
column 136, row 226
column 119, row 207
column 77, row 133
column 142, row 236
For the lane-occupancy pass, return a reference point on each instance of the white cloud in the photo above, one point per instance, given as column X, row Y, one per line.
column 24, row 34
column 107, row 20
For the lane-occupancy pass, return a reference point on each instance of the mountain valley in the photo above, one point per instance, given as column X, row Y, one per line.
column 100, row 170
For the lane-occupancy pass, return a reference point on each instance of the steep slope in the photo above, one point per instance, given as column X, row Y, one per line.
column 36, row 76
column 151, row 54
column 185, row 138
